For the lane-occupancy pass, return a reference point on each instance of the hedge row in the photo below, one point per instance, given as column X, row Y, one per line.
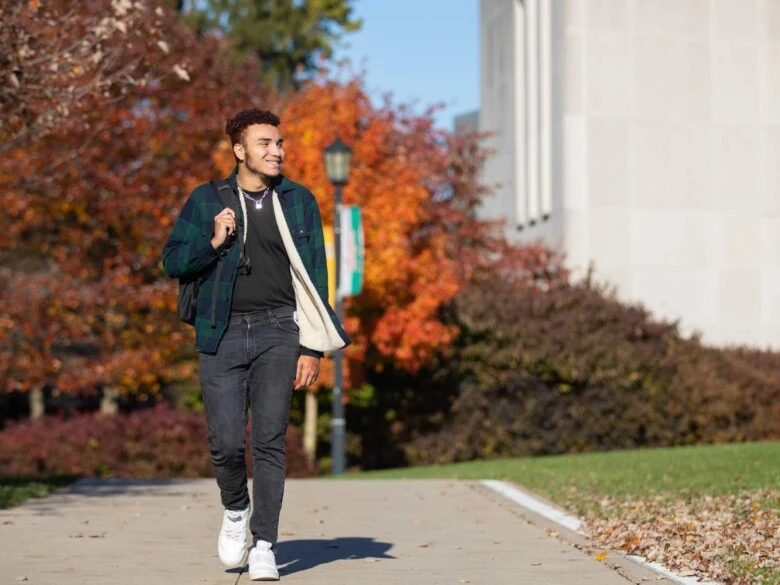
column 157, row 442
column 573, row 369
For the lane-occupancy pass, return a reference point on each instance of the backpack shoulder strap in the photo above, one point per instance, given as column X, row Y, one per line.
column 229, row 198
column 225, row 193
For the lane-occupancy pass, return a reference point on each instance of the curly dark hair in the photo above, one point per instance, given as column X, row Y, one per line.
column 237, row 125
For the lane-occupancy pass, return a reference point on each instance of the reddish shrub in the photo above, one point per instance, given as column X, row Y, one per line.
column 573, row 369
column 155, row 442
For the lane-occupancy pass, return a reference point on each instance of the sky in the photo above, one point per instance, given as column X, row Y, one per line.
column 423, row 52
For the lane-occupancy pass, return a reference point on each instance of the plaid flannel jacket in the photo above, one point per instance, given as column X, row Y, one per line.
column 188, row 251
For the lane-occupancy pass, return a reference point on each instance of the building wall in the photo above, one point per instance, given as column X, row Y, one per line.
column 671, row 117
column 521, row 57
column 498, row 74
column 670, row 156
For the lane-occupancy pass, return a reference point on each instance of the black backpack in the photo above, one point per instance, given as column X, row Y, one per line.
column 188, row 287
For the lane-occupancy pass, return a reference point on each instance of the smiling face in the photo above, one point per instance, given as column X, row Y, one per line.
column 260, row 153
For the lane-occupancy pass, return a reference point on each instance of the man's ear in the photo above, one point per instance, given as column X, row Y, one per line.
column 238, row 150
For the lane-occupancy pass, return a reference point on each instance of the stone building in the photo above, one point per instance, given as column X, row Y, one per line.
column 643, row 136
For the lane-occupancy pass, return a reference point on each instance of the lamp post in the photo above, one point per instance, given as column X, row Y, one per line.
column 337, row 159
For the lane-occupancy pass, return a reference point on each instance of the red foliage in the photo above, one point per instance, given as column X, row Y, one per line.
column 157, row 442
column 62, row 58
column 88, row 208
column 574, row 370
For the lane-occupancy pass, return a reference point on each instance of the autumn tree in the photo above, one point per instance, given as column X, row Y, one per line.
column 61, row 58
column 289, row 38
column 88, row 207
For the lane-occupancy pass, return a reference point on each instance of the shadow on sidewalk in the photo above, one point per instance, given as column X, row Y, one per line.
column 294, row 556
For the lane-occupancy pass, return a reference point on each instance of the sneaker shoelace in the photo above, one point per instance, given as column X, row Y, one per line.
column 233, row 529
column 265, row 553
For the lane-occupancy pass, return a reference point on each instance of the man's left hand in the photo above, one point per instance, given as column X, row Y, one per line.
column 308, row 370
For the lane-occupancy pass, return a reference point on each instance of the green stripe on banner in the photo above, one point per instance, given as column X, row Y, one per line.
column 352, row 252
column 357, row 275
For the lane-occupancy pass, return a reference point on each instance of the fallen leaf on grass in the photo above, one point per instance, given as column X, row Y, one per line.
column 723, row 538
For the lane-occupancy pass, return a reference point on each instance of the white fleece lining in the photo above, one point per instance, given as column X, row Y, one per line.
column 317, row 330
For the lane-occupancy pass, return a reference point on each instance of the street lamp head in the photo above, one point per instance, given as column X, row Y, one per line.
column 337, row 160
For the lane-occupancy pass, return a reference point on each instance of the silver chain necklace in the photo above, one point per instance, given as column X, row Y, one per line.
column 258, row 202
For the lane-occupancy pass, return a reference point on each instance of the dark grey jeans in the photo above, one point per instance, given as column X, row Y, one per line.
column 254, row 366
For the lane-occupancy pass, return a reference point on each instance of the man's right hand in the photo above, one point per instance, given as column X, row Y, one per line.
column 224, row 226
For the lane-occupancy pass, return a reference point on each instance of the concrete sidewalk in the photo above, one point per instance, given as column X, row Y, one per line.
column 331, row 532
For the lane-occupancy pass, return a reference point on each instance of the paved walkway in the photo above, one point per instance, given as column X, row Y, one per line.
column 332, row 532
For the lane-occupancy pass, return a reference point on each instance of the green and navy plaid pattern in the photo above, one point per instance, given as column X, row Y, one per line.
column 188, row 251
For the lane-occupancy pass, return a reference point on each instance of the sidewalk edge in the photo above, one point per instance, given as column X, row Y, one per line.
column 534, row 504
column 574, row 524
column 658, row 568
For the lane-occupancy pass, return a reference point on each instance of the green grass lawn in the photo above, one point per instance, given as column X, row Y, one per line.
column 677, row 471
column 14, row 489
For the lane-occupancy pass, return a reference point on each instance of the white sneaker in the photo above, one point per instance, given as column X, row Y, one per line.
column 262, row 563
column 232, row 537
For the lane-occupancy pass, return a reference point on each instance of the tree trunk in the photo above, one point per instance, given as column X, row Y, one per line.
column 36, row 403
column 310, row 428
column 108, row 402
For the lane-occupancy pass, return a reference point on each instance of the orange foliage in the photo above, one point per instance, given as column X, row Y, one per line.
column 417, row 190
column 88, row 208
column 396, row 162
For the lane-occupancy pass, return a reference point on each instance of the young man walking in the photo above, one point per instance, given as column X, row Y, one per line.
column 262, row 324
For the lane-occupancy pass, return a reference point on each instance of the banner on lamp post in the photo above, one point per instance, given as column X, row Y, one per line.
column 330, row 255
column 352, row 252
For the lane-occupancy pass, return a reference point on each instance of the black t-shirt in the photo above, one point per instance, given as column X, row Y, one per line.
column 268, row 283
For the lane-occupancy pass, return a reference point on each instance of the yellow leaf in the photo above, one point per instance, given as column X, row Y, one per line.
column 602, row 555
